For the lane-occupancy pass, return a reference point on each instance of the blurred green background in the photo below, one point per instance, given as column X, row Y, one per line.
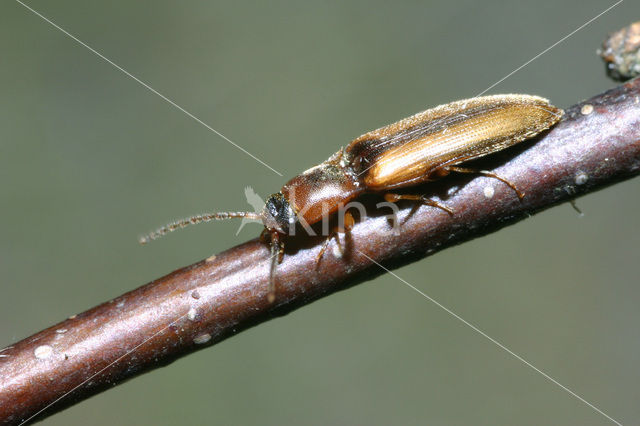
column 89, row 160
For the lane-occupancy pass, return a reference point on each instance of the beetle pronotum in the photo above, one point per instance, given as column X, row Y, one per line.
column 421, row 148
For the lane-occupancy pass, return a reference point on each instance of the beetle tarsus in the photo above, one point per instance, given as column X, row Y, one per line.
column 349, row 222
column 486, row 173
column 277, row 253
column 392, row 198
column 324, row 247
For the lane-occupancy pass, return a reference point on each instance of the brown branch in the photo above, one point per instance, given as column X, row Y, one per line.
column 597, row 144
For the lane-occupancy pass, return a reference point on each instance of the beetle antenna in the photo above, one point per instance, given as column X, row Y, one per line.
column 207, row 217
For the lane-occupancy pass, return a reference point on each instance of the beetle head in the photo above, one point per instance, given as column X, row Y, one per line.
column 278, row 215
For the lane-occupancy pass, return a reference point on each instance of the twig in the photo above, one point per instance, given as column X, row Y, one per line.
column 597, row 144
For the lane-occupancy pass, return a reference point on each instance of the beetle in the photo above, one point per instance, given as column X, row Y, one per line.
column 421, row 148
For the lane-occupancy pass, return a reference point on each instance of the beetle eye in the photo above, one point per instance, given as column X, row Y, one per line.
column 278, row 214
column 272, row 207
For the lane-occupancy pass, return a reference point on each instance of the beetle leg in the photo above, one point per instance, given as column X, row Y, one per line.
column 281, row 252
column 265, row 236
column 487, row 174
column 349, row 221
column 392, row 198
column 277, row 253
column 325, row 245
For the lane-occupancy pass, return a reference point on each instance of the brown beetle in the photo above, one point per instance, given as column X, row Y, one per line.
column 417, row 149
